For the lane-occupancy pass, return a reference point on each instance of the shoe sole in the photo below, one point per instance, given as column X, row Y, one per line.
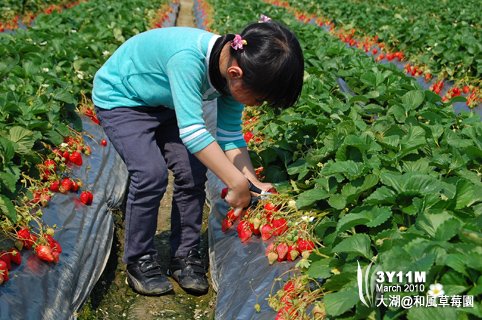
column 137, row 287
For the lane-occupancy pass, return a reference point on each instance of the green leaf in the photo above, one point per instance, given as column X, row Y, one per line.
column 340, row 302
column 412, row 99
column 369, row 216
column 467, row 194
column 431, row 313
column 337, row 201
column 310, row 197
column 430, row 223
column 358, row 243
column 10, row 177
column 382, row 195
column 24, row 139
column 7, row 150
column 8, row 209
column 320, row 269
column 64, row 96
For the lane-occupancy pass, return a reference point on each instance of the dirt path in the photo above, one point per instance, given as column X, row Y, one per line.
column 111, row 298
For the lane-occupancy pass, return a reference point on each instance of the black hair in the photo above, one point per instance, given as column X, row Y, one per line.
column 272, row 63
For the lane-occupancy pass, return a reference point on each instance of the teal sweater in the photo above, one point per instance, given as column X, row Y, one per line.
column 170, row 67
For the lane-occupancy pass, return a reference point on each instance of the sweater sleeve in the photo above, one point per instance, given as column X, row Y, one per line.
column 229, row 132
column 186, row 71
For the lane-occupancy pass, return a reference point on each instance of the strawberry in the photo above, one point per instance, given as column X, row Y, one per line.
column 76, row 158
column 266, row 232
column 87, row 150
column 3, row 272
column 226, row 225
column 375, row 51
column 272, row 257
column 28, row 239
column 232, row 215
column 428, row 77
column 224, row 193
column 65, row 185
column 253, row 229
column 466, row 89
column 5, row 257
column 54, row 186
column 66, row 156
column 270, row 207
column 44, row 252
column 75, row 186
column 50, row 164
column 15, row 256
column 244, row 232
column 282, row 250
column 248, row 135
column 103, row 142
column 293, row 252
column 54, row 244
column 86, row 197
column 305, row 245
column 279, row 226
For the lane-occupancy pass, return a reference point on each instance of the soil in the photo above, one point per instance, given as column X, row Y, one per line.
column 112, row 298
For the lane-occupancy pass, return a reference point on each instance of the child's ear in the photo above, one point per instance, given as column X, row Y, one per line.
column 234, row 72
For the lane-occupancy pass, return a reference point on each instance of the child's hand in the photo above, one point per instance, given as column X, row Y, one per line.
column 239, row 196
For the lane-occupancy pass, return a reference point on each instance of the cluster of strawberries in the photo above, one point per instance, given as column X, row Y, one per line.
column 44, row 246
column 53, row 172
column 268, row 220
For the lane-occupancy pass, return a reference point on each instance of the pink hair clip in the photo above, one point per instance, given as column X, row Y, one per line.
column 263, row 18
column 238, row 42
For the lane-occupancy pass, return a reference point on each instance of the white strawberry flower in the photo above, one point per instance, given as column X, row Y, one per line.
column 436, row 290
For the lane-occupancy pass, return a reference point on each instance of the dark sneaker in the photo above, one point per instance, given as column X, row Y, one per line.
column 190, row 273
column 146, row 277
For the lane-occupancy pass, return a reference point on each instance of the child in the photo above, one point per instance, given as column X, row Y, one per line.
column 148, row 97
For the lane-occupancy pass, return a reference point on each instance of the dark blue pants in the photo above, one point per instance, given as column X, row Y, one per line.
column 147, row 139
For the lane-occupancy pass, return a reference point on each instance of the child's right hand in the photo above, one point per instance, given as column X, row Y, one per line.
column 238, row 196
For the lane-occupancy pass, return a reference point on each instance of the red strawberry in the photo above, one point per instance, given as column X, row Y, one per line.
column 232, row 215
column 3, row 272
column 103, row 142
column 44, row 252
column 75, row 186
column 65, row 185
column 224, row 193
column 76, row 158
column 270, row 207
column 266, row 232
column 279, row 226
column 305, row 245
column 54, row 244
column 15, row 256
column 375, row 51
column 466, row 89
column 50, row 164
column 54, row 186
column 26, row 237
column 66, row 156
column 248, row 135
column 282, row 250
column 5, row 257
column 86, row 197
column 244, row 232
column 226, row 225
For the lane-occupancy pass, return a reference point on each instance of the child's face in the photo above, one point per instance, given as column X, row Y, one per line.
column 243, row 95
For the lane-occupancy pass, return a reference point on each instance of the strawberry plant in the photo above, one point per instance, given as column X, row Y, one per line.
column 390, row 172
